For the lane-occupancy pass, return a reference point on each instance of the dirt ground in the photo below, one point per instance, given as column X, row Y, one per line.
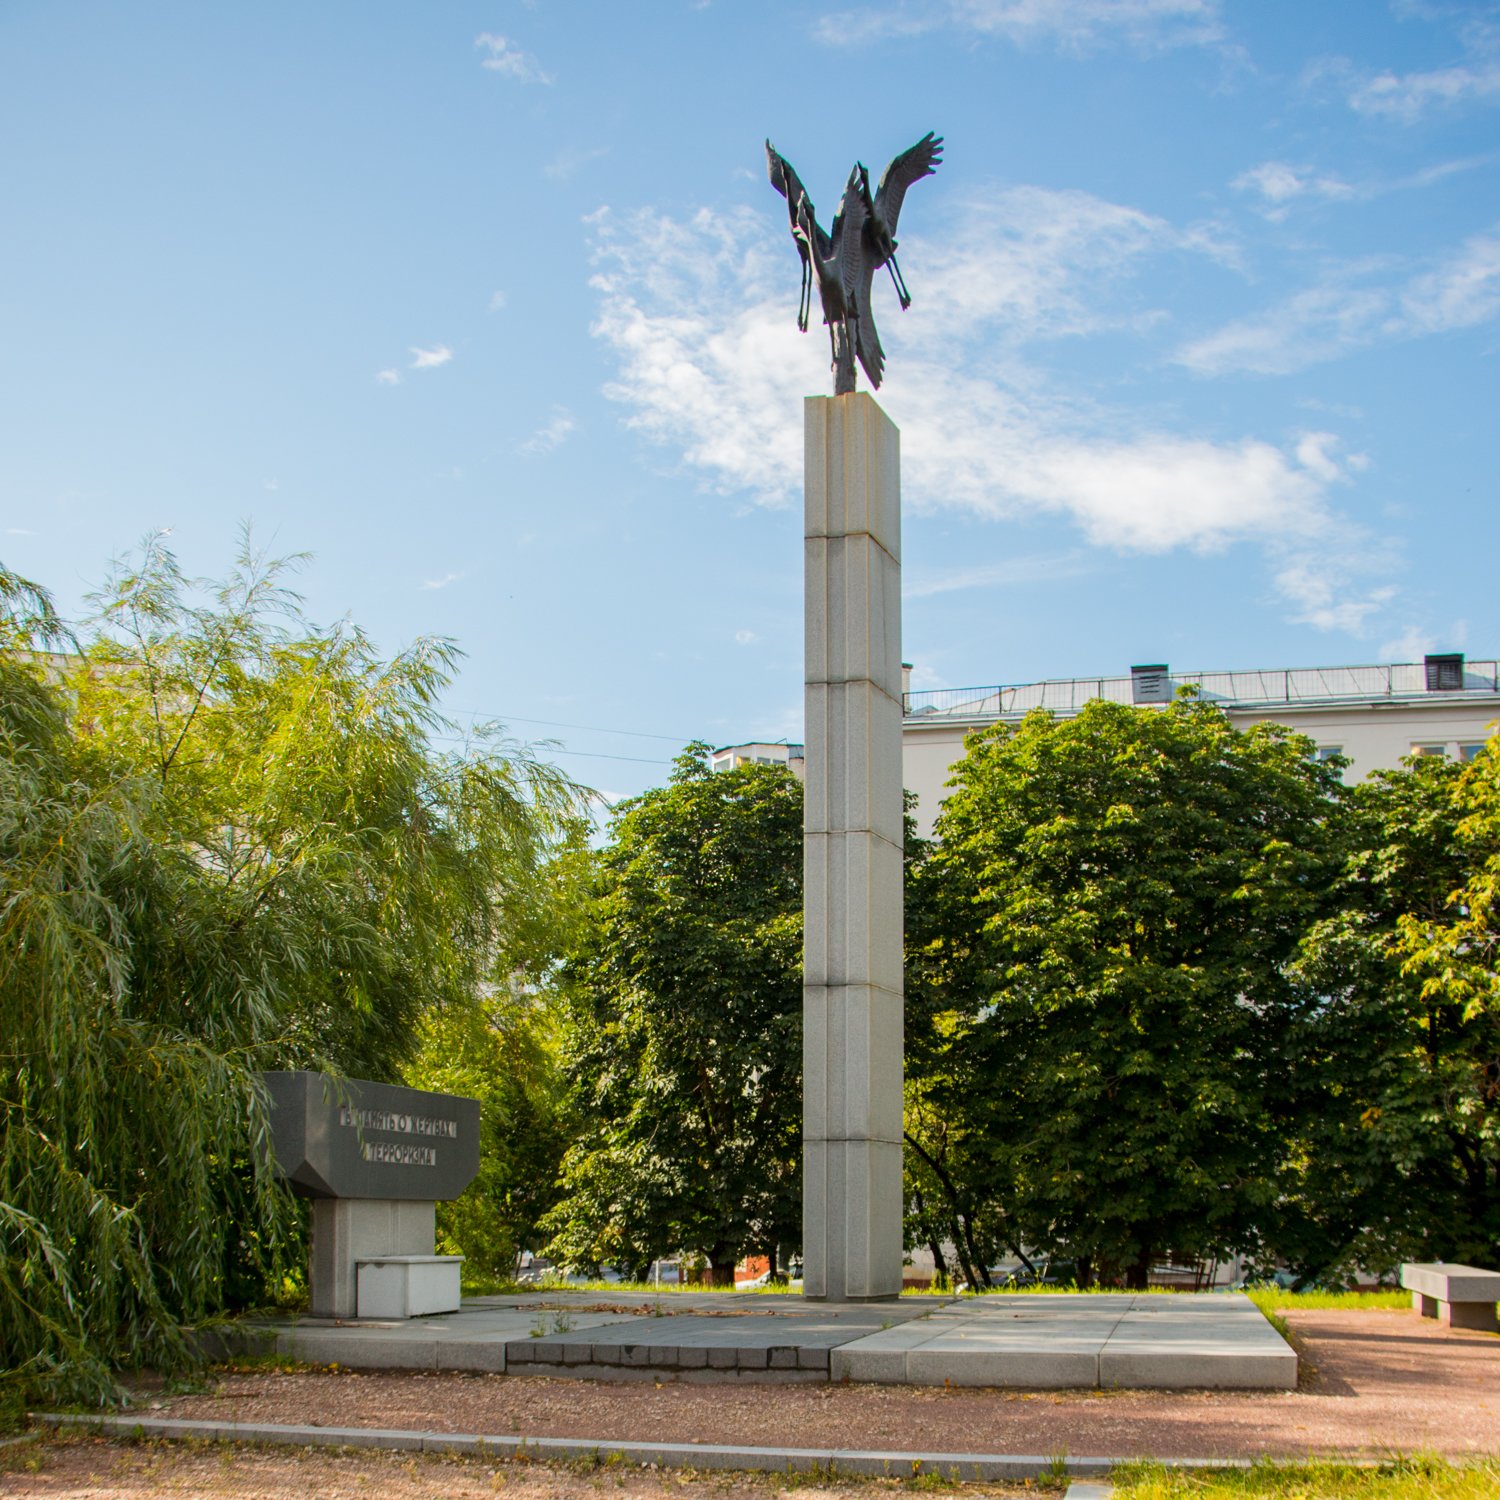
column 99, row 1469
column 1375, row 1384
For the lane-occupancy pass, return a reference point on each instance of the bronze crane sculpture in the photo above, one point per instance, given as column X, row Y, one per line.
column 844, row 262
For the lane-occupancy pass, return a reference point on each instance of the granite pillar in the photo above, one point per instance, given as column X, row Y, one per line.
column 852, row 954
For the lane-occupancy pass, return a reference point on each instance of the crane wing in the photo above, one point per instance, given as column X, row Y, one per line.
column 918, row 161
column 866, row 337
column 785, row 180
column 849, row 236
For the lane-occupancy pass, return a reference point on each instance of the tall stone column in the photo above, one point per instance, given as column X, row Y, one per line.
column 852, row 841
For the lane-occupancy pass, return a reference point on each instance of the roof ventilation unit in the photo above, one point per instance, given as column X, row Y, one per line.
column 1445, row 674
column 1151, row 684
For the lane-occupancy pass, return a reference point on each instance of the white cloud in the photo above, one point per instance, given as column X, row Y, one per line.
column 430, row 359
column 1321, row 323
column 1460, row 293
column 497, row 301
column 551, row 436
column 1321, row 591
column 441, row 583
column 18, row 531
column 745, row 638
column 700, row 317
column 509, row 60
column 1278, row 183
column 388, row 377
column 1407, row 96
column 1411, row 644
column 1073, row 24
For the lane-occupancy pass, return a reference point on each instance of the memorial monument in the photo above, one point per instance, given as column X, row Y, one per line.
column 375, row 1159
column 852, row 998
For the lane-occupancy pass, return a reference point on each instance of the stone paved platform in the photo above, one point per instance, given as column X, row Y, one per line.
column 1217, row 1340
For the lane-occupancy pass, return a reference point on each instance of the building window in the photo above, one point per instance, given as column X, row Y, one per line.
column 1327, row 752
column 1439, row 750
column 1470, row 752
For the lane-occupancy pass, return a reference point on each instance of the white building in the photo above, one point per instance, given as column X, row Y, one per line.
column 759, row 753
column 1442, row 705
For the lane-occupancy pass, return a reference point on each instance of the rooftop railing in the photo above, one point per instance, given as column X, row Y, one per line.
column 1306, row 686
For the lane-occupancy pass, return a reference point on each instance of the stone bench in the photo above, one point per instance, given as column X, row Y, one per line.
column 407, row 1286
column 1462, row 1296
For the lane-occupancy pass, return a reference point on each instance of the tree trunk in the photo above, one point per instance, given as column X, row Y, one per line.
column 939, row 1264
column 721, row 1261
column 1135, row 1277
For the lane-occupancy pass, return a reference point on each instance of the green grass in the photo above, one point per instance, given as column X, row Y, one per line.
column 1269, row 1298
column 1400, row 1479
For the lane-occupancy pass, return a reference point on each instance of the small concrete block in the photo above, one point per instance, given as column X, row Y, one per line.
column 367, row 1351
column 722, row 1359
column 408, row 1286
column 690, row 1357
column 751, row 1359
column 812, row 1358
column 1137, row 1366
column 781, row 1358
column 474, row 1356
column 851, row 901
column 577, row 1354
column 1037, row 1368
column 521, row 1352
column 875, row 1366
column 608, row 1354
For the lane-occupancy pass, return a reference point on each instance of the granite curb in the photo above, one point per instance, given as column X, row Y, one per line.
column 870, row 1463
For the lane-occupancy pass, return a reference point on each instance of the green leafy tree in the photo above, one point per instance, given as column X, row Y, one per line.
column 1372, row 1179
column 1457, row 961
column 503, row 1052
column 1099, row 986
column 684, row 1037
column 1401, row 1156
column 226, row 843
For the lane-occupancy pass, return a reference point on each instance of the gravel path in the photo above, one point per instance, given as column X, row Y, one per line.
column 1380, row 1382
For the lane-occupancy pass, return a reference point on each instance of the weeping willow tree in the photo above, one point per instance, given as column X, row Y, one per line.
column 227, row 842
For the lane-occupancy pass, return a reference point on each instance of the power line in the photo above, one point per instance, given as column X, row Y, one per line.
column 643, row 760
column 477, row 713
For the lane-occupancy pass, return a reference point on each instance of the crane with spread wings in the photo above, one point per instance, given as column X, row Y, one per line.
column 844, row 261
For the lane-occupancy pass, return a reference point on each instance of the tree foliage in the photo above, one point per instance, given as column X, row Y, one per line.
column 1099, row 982
column 226, row 843
column 1400, row 1157
column 684, row 1037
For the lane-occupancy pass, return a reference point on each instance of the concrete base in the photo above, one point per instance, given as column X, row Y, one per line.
column 409, row 1286
column 1461, row 1296
column 1213, row 1341
column 346, row 1231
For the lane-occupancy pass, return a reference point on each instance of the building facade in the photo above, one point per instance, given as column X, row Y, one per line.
column 1443, row 705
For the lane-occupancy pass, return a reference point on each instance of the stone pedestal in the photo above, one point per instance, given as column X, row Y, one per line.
column 852, row 955
column 346, row 1231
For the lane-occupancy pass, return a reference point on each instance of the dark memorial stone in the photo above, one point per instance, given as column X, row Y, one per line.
column 358, row 1139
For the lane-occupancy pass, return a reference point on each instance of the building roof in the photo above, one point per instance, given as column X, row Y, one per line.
column 1278, row 690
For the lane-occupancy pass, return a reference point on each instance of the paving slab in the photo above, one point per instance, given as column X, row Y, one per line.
column 1040, row 1341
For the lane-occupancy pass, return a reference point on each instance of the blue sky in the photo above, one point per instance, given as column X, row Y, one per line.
column 492, row 309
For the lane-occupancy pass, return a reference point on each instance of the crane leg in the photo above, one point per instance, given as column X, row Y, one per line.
column 898, row 282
